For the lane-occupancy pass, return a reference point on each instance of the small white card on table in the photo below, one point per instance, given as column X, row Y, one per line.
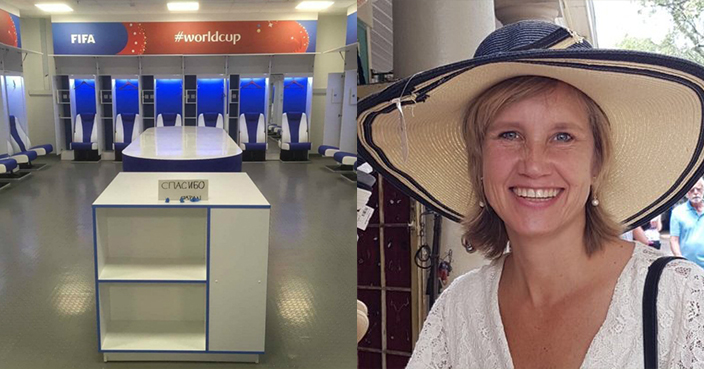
column 176, row 189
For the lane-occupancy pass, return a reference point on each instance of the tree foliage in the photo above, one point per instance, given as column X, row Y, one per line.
column 684, row 39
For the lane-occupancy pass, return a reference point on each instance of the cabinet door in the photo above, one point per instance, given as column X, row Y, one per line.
column 239, row 249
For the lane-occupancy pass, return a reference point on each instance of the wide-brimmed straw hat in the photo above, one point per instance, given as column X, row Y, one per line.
column 412, row 131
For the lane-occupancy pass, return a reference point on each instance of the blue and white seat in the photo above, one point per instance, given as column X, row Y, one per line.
column 252, row 136
column 327, row 150
column 211, row 120
column 169, row 120
column 274, row 130
column 294, row 141
column 23, row 158
column 8, row 170
column 348, row 165
column 8, row 165
column 346, row 159
column 128, row 127
column 20, row 141
column 85, row 138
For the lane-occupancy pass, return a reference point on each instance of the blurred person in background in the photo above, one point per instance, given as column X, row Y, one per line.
column 687, row 227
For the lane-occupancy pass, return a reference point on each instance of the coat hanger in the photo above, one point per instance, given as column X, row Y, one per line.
column 294, row 83
column 83, row 83
column 128, row 84
column 251, row 82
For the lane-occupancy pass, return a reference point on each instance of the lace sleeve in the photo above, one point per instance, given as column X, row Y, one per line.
column 431, row 351
column 688, row 335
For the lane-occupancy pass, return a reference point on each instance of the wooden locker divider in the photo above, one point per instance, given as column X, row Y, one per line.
column 386, row 279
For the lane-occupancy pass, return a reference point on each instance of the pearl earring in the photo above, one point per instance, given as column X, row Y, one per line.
column 481, row 204
column 595, row 202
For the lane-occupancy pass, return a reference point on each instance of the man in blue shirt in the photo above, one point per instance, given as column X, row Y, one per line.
column 687, row 226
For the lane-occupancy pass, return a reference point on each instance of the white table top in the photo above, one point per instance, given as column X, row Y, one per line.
column 141, row 189
column 183, row 143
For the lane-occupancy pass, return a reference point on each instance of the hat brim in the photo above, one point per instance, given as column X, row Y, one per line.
column 653, row 102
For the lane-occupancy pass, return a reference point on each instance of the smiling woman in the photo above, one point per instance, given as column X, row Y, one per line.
column 534, row 146
column 540, row 142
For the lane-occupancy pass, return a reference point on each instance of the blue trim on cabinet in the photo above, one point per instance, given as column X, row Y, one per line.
column 184, row 281
column 179, row 205
column 207, row 281
column 97, row 290
column 207, row 286
column 188, row 352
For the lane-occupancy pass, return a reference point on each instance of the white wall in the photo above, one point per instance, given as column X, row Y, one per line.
column 38, row 73
column 331, row 35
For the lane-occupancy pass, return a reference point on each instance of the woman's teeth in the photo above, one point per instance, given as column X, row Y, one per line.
column 536, row 194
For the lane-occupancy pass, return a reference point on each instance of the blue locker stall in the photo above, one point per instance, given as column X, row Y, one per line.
column 128, row 120
column 296, row 91
column 16, row 104
column 253, row 95
column 87, row 136
column 17, row 123
column 211, row 98
column 295, row 139
column 19, row 145
column 253, row 115
column 169, row 101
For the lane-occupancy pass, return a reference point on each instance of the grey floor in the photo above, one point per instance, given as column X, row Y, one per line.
column 273, row 151
column 47, row 301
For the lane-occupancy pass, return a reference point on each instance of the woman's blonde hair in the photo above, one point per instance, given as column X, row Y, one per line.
column 484, row 230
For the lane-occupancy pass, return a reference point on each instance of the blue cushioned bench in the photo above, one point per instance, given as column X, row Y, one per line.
column 128, row 127
column 327, row 150
column 10, row 170
column 210, row 120
column 85, row 138
column 294, row 141
column 20, row 141
column 348, row 162
column 252, row 137
column 169, row 120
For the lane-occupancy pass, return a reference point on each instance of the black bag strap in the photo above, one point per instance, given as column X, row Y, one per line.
column 650, row 313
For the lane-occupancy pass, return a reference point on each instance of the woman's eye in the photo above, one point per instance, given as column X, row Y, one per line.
column 564, row 137
column 508, row 135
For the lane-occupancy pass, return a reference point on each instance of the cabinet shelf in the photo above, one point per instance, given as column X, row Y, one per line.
column 170, row 279
column 138, row 269
column 152, row 316
column 140, row 335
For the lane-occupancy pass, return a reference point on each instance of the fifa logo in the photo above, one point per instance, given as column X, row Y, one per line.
column 82, row 39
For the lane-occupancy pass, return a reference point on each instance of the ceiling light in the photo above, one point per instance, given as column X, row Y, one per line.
column 54, row 7
column 183, row 6
column 314, row 5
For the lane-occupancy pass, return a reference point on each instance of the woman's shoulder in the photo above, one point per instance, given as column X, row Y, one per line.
column 678, row 275
column 679, row 306
column 477, row 282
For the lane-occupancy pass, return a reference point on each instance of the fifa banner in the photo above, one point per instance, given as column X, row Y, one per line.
column 10, row 29
column 166, row 38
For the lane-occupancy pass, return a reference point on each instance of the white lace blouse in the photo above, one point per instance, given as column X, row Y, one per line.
column 464, row 328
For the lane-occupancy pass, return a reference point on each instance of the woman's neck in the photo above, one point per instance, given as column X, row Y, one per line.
column 547, row 268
